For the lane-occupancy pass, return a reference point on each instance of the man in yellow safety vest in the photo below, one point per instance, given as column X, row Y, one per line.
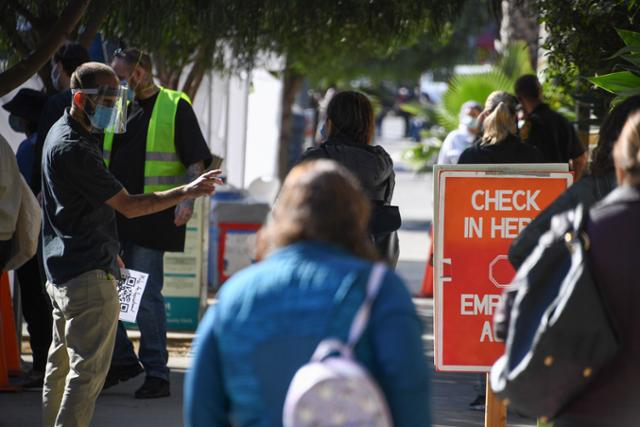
column 162, row 147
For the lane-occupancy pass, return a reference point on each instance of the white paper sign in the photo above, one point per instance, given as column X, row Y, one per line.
column 130, row 288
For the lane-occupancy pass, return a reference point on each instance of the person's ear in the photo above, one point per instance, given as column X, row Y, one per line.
column 139, row 74
column 327, row 126
column 79, row 100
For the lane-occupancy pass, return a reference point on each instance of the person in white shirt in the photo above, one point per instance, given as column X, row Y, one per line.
column 460, row 139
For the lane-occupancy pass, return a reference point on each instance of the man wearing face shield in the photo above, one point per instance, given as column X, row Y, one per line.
column 64, row 62
column 163, row 145
column 460, row 139
column 80, row 242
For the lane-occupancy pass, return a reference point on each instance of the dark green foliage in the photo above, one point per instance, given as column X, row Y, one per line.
column 582, row 37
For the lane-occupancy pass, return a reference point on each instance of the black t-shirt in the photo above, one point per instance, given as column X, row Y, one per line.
column 79, row 230
column 552, row 134
column 509, row 150
column 156, row 231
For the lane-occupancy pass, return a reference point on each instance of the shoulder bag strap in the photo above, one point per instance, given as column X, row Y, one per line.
column 362, row 315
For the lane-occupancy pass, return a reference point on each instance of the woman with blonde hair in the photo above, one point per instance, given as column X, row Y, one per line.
column 270, row 317
column 499, row 142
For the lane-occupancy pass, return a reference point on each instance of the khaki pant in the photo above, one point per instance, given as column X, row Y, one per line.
column 85, row 315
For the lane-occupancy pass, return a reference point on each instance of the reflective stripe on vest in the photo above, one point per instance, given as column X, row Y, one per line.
column 162, row 167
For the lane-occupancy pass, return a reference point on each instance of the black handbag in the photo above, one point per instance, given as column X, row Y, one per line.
column 559, row 333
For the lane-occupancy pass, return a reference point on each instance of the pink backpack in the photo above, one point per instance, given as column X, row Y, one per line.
column 333, row 389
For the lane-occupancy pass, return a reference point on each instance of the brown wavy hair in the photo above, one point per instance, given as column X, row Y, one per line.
column 322, row 201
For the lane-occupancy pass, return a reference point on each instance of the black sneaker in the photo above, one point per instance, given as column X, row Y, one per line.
column 118, row 374
column 32, row 379
column 153, row 388
column 478, row 403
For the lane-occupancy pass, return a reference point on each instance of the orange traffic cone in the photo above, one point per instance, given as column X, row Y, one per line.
column 9, row 341
column 427, row 282
column 5, row 385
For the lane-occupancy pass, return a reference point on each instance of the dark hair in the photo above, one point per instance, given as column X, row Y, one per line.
column 134, row 56
column 71, row 56
column 306, row 210
column 86, row 76
column 351, row 116
column 528, row 87
column 602, row 163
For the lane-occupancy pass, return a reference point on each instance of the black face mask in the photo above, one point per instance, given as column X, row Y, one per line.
column 17, row 124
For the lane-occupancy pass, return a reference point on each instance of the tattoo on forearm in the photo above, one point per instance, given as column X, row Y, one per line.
column 195, row 170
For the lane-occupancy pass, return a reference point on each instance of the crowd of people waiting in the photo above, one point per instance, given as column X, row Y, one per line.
column 332, row 222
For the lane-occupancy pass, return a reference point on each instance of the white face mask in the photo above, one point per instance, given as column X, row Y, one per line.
column 469, row 122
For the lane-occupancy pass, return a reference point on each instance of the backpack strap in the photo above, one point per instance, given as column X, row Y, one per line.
column 361, row 318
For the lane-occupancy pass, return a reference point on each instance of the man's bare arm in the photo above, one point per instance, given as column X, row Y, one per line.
column 132, row 206
column 184, row 210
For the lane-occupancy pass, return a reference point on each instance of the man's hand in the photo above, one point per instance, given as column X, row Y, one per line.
column 204, row 185
column 120, row 262
column 132, row 206
column 183, row 213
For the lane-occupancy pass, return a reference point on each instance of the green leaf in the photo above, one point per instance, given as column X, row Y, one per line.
column 470, row 87
column 515, row 61
column 633, row 59
column 622, row 81
column 632, row 49
column 413, row 108
column 629, row 37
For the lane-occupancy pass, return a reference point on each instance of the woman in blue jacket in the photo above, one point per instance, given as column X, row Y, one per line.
column 271, row 316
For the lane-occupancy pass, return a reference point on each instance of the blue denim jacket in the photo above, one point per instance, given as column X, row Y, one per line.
column 270, row 318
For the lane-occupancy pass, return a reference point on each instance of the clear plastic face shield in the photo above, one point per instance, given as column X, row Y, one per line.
column 106, row 107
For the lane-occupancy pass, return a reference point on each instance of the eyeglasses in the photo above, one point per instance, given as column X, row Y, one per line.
column 130, row 57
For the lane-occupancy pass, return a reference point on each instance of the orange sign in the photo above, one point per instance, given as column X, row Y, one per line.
column 478, row 214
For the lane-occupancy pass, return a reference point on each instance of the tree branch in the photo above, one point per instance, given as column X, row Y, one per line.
column 98, row 14
column 23, row 70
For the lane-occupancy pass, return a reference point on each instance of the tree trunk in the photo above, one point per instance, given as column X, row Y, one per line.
column 192, row 84
column 27, row 67
column 196, row 73
column 519, row 22
column 291, row 85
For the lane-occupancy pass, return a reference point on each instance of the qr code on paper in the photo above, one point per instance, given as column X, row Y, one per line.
column 126, row 287
column 130, row 288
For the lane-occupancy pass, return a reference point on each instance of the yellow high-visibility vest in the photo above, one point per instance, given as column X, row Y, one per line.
column 162, row 167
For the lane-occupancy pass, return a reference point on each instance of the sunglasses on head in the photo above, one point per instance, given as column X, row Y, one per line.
column 130, row 57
